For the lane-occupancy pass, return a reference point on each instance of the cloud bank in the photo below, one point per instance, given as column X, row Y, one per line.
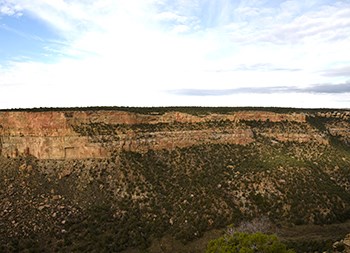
column 321, row 89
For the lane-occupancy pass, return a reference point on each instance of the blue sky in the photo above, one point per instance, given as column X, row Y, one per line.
column 174, row 53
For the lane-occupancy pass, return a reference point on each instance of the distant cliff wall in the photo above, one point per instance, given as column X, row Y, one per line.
column 95, row 134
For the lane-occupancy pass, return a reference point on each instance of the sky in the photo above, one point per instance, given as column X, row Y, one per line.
column 67, row 53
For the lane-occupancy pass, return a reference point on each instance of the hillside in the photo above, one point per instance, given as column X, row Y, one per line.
column 111, row 179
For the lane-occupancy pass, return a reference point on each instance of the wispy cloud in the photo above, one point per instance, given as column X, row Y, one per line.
column 323, row 89
column 292, row 22
column 336, row 72
column 263, row 67
column 20, row 33
column 330, row 88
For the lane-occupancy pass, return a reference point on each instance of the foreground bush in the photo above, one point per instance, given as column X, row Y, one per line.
column 239, row 242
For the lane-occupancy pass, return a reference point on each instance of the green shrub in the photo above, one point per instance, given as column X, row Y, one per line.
column 247, row 243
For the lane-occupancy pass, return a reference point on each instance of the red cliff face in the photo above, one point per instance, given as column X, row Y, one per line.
column 46, row 135
column 54, row 135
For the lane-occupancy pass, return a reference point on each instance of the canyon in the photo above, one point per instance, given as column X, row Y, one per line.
column 119, row 179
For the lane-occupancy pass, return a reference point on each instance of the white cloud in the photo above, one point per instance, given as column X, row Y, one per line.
column 170, row 16
column 10, row 8
column 123, row 52
column 289, row 25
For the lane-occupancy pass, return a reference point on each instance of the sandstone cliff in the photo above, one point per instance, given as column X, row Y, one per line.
column 96, row 134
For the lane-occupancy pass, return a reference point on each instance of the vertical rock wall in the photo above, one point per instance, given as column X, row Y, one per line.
column 53, row 135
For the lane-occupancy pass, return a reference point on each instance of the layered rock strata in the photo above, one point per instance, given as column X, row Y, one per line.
column 59, row 134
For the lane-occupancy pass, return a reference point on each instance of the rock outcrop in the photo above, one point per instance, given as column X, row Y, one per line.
column 73, row 134
column 342, row 246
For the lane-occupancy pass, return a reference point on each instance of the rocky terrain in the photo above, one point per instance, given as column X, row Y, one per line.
column 114, row 179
